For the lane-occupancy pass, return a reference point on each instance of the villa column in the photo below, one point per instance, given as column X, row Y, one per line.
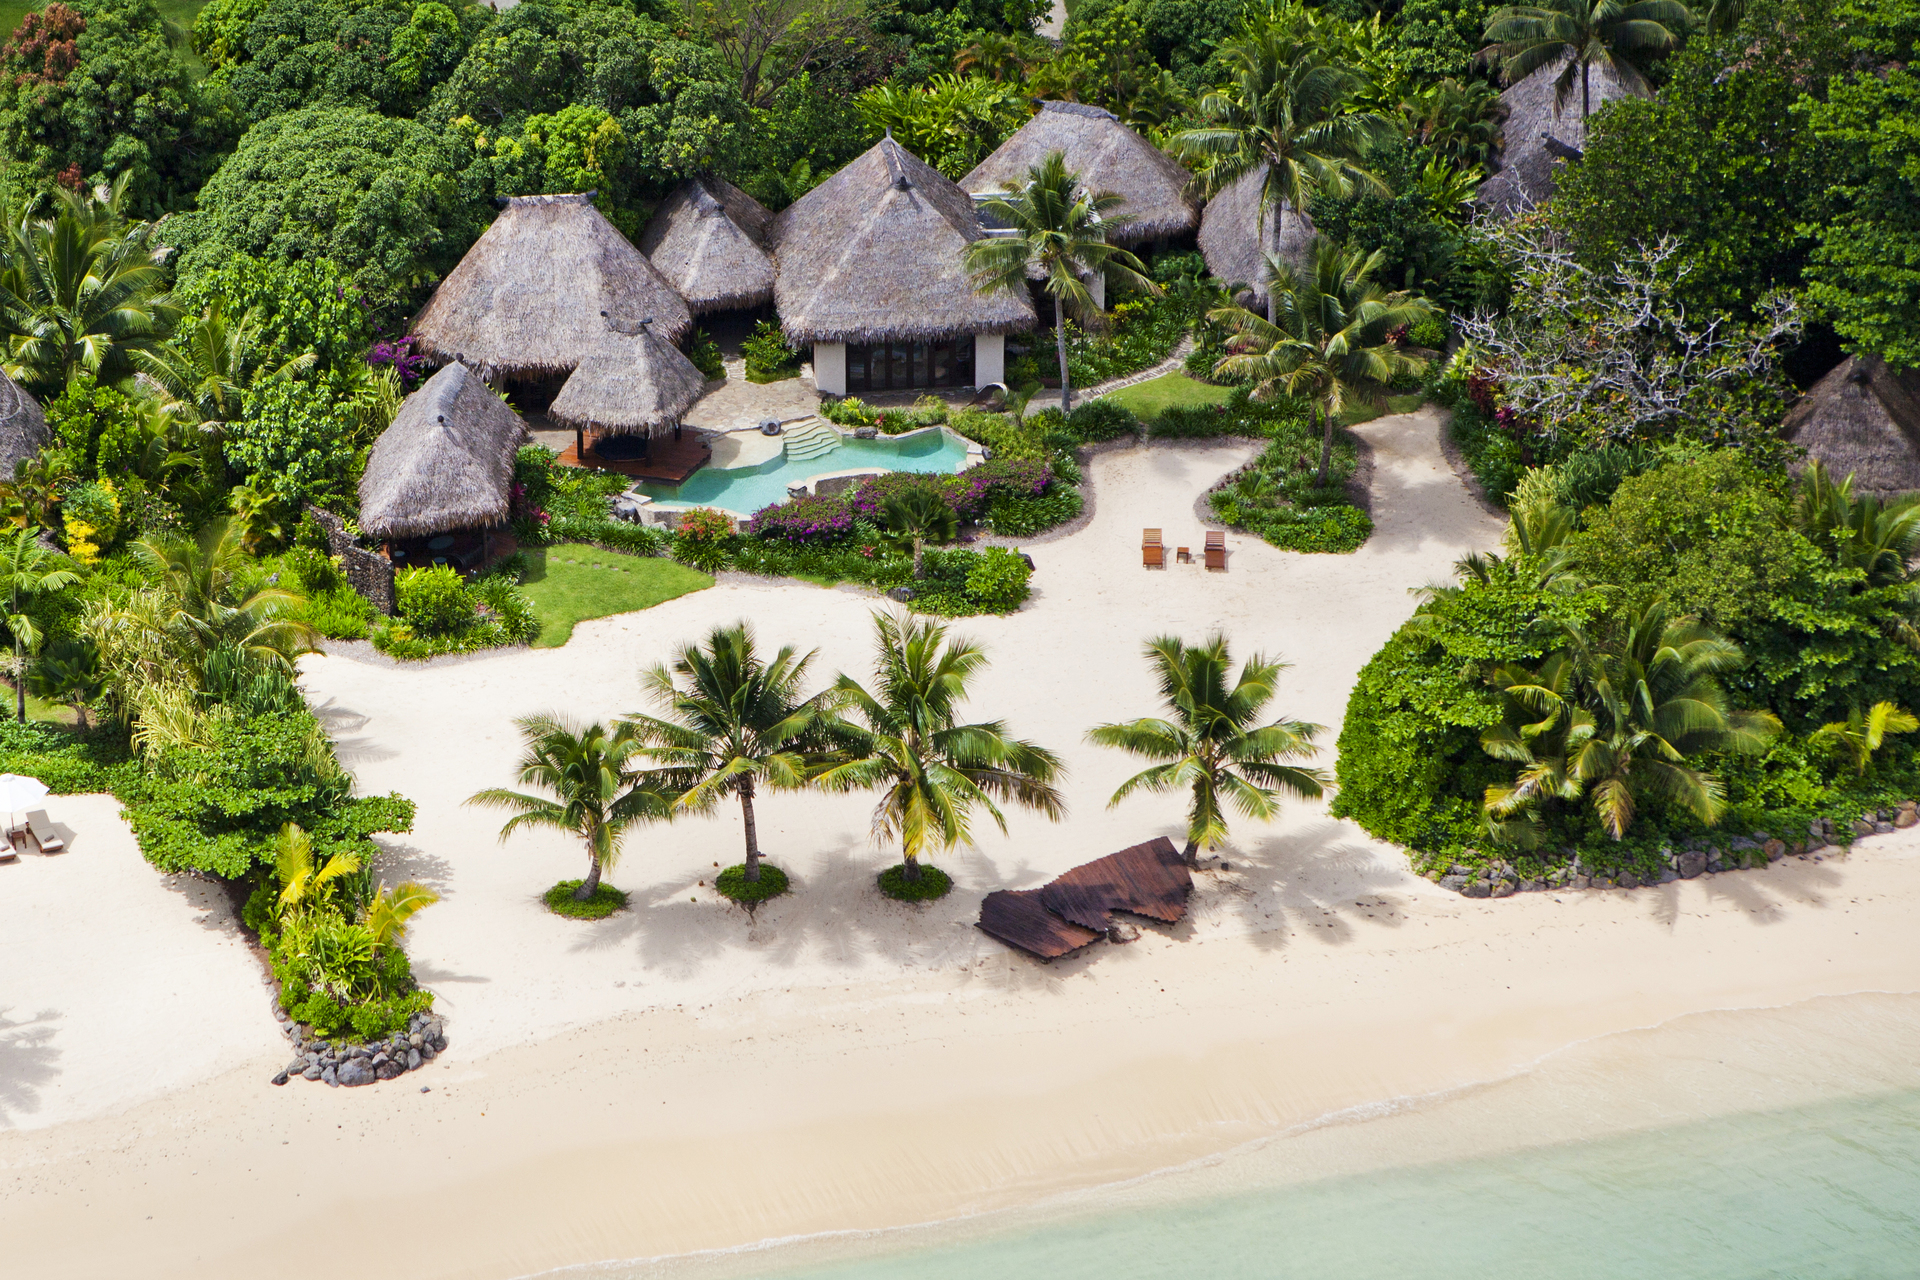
column 830, row 368
column 989, row 358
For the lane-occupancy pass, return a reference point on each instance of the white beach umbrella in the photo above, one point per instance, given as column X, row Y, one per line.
column 17, row 792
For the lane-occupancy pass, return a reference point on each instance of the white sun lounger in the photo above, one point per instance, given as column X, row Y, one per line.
column 43, row 833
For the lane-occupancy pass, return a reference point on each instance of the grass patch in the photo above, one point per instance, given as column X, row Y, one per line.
column 572, row 582
column 1406, row 403
column 1169, row 391
column 605, row 901
column 933, row 883
column 733, row 883
column 764, row 378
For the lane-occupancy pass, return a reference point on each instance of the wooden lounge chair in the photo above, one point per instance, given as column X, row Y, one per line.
column 1153, row 554
column 7, row 851
column 1216, row 549
column 43, row 834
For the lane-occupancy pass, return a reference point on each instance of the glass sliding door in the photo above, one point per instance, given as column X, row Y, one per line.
column 907, row 366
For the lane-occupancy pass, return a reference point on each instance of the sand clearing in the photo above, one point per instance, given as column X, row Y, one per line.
column 680, row 1077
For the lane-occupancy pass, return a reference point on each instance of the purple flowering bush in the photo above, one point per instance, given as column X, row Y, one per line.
column 873, row 495
column 976, row 487
column 399, row 353
column 804, row 521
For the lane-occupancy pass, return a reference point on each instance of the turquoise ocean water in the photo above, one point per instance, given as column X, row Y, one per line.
column 1781, row 1143
column 747, row 489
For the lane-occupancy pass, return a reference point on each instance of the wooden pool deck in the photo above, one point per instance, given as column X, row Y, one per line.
column 668, row 461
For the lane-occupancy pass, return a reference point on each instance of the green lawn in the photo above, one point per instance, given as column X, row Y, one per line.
column 572, row 582
column 1169, row 391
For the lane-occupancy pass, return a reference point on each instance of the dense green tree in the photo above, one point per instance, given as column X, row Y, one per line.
column 295, row 441
column 212, row 360
column 1421, row 243
column 1442, row 37
column 310, row 304
column 812, row 128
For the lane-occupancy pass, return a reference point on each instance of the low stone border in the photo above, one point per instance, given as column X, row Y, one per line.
column 1693, row 859
column 351, row 1065
column 1176, row 362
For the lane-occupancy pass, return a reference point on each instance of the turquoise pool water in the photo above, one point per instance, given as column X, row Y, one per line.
column 747, row 489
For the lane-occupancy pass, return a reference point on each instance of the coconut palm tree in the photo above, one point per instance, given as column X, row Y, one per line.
column 1000, row 57
column 1210, row 744
column 1287, row 109
column 913, row 518
column 932, row 771
column 80, row 289
column 1059, row 235
column 1862, row 734
column 1521, row 39
column 1327, row 336
column 211, row 363
column 27, row 571
column 1616, row 722
column 739, row 722
column 600, row 793
column 200, row 576
column 1878, row 538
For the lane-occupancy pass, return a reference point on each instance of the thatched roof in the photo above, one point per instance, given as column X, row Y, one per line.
column 23, row 427
column 706, row 240
column 1108, row 156
column 1862, row 420
column 445, row 463
column 527, row 299
column 1527, row 158
column 1235, row 232
column 643, row 386
column 873, row 255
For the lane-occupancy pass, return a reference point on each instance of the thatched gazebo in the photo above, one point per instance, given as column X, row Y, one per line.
column 1108, row 156
column 437, row 482
column 1236, row 232
column 1862, row 420
column 1537, row 135
column 706, row 239
column 870, row 272
column 617, row 398
column 532, row 298
column 23, row 427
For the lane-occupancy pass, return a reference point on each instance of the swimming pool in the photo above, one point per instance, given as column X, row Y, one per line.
column 745, row 490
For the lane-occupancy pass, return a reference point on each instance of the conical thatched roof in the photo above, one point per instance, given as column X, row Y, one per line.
column 1862, row 420
column 1235, row 232
column 641, row 387
column 445, row 463
column 1108, row 156
column 706, row 240
column 873, row 255
column 23, row 427
column 527, row 299
column 1527, row 160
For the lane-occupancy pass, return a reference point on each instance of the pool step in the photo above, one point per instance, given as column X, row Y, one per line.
column 810, row 439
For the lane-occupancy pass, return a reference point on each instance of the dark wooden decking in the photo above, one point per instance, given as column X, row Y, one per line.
column 668, row 460
column 1076, row 909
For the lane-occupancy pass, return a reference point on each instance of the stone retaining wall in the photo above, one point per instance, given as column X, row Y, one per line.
column 367, row 572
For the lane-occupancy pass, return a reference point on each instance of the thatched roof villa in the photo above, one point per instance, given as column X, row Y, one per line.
column 1862, row 420
column 1236, row 233
column 869, row 271
column 1108, row 156
column 1537, row 135
column 23, row 427
column 706, row 239
column 438, row 478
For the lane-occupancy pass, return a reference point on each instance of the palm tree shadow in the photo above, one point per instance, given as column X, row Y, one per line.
column 28, row 1060
column 1318, row 880
column 340, row 723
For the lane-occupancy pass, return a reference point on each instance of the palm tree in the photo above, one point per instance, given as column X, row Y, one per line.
column 81, row 289
column 69, row 672
column 1287, row 110
column 932, row 771
column 1862, row 735
column 25, row 574
column 1524, row 38
column 739, row 722
column 913, row 517
column 601, row 794
column 200, row 576
column 999, row 57
column 1878, row 538
column 1617, row 723
column 387, row 914
column 301, row 878
column 1326, row 338
column 1059, row 235
column 211, row 363
column 1209, row 745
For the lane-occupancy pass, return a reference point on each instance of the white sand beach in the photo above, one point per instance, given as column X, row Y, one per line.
column 682, row 1076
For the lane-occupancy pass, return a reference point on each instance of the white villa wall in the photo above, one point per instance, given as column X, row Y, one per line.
column 830, row 368
column 989, row 359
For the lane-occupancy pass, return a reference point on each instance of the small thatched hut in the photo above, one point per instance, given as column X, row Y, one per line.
column 532, row 297
column 706, row 239
column 23, row 427
column 1862, row 420
column 1538, row 134
column 1237, row 231
column 437, row 480
column 1108, row 156
column 870, row 272
column 642, row 387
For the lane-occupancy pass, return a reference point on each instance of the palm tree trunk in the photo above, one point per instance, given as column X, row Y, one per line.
column 919, row 549
column 20, row 678
column 753, row 832
column 1326, row 445
column 1060, row 344
column 592, row 882
column 911, row 873
column 1191, row 854
column 1586, row 101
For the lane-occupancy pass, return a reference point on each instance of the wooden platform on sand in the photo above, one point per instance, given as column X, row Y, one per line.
column 668, row 460
column 1075, row 909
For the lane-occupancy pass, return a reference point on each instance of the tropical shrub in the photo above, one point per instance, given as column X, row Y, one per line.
column 768, row 355
column 703, row 539
column 433, row 600
column 735, row 887
column 704, row 352
column 804, row 520
column 1102, row 419
column 997, row 581
column 604, row 901
column 850, row 412
column 439, row 613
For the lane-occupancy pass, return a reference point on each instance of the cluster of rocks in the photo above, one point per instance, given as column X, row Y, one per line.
column 1500, row 879
column 350, row 1065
